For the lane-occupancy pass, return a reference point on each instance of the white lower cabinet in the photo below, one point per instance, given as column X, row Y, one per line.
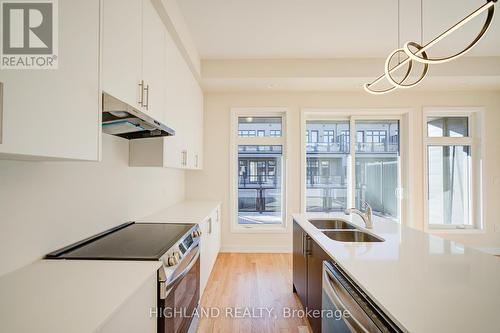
column 134, row 315
column 210, row 246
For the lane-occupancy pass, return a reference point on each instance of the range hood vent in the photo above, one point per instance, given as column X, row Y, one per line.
column 121, row 119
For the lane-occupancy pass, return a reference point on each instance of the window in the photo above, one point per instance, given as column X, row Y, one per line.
column 314, row 136
column 344, row 139
column 377, row 166
column 456, row 127
column 341, row 174
column 448, row 181
column 328, row 136
column 326, row 170
column 246, row 133
column 450, row 170
column 360, row 137
column 275, row 133
column 375, row 136
column 258, row 192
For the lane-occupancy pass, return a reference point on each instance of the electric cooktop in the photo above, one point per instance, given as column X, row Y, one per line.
column 129, row 241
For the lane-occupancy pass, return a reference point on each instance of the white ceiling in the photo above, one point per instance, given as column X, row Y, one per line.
column 327, row 28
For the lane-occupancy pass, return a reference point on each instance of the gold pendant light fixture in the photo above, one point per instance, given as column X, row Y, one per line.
column 415, row 52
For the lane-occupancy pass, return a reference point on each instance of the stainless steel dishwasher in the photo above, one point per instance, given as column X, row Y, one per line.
column 346, row 308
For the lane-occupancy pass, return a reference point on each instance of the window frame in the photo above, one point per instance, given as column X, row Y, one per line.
column 234, row 142
column 405, row 118
column 475, row 128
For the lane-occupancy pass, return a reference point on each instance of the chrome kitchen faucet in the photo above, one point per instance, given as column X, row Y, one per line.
column 366, row 215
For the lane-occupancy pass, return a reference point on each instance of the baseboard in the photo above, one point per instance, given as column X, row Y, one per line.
column 255, row 249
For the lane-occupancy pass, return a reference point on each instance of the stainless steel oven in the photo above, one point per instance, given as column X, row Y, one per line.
column 176, row 245
column 179, row 294
column 346, row 308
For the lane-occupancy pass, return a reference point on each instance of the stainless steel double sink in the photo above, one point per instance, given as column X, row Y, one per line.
column 343, row 231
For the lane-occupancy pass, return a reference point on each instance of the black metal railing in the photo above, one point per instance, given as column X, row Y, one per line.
column 260, row 149
column 259, row 193
column 259, row 200
column 252, row 181
column 344, row 148
column 313, row 180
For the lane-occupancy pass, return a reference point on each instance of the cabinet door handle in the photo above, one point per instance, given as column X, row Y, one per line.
column 307, row 251
column 184, row 158
column 196, row 160
column 146, row 89
column 210, row 226
column 141, row 95
column 303, row 246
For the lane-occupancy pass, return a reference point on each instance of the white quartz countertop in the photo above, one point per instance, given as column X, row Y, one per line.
column 68, row 295
column 81, row 295
column 425, row 283
column 184, row 212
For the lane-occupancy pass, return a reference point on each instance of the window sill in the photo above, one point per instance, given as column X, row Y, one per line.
column 258, row 229
column 454, row 231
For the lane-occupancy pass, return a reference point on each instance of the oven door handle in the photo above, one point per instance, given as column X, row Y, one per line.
column 331, row 283
column 165, row 287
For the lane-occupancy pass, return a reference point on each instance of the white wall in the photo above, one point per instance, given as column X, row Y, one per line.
column 47, row 205
column 213, row 181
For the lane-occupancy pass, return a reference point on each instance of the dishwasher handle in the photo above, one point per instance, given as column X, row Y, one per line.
column 330, row 286
column 364, row 315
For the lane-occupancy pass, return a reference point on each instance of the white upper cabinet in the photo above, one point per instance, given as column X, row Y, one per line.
column 122, row 50
column 194, row 134
column 133, row 56
column 177, row 96
column 184, row 100
column 153, row 61
column 119, row 47
column 55, row 114
column 197, row 134
column 183, row 111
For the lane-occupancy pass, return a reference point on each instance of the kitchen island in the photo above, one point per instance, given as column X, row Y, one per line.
column 424, row 283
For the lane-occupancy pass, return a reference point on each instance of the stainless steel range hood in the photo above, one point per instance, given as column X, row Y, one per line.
column 121, row 119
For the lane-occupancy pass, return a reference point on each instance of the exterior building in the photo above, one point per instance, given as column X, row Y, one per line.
column 328, row 151
column 260, row 173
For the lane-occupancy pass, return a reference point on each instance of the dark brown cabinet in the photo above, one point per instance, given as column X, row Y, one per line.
column 299, row 263
column 308, row 259
column 315, row 258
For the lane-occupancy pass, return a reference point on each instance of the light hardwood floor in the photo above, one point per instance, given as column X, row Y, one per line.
column 241, row 281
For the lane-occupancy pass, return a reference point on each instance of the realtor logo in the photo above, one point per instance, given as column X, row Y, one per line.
column 29, row 34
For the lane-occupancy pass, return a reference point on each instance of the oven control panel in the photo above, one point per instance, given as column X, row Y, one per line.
column 175, row 254
column 185, row 244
